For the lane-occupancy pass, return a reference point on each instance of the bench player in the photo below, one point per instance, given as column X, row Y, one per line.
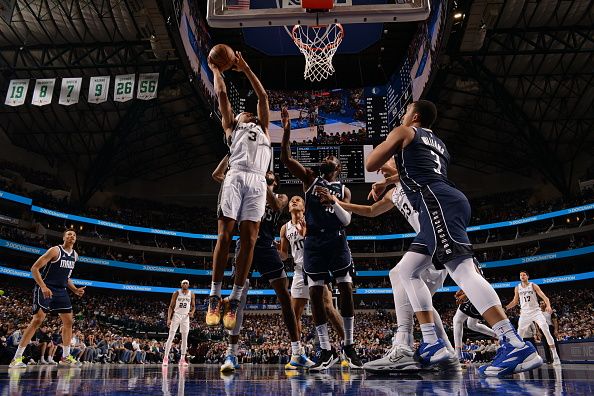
column 181, row 309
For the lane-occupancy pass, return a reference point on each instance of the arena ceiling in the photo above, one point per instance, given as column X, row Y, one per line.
column 515, row 87
column 111, row 140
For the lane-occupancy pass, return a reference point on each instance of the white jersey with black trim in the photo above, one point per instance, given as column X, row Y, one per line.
column 183, row 303
column 528, row 298
column 402, row 203
column 250, row 149
column 296, row 240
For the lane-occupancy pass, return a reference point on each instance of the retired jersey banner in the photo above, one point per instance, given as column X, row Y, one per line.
column 98, row 89
column 123, row 89
column 147, row 86
column 70, row 91
column 43, row 92
column 17, row 91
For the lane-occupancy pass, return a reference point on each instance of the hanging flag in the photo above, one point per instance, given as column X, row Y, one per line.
column 6, row 10
column 123, row 89
column 98, row 89
column 17, row 91
column 70, row 91
column 147, row 86
column 43, row 92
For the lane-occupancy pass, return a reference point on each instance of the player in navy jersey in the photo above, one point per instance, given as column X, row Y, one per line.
column 51, row 273
column 267, row 261
column 444, row 214
column 326, row 253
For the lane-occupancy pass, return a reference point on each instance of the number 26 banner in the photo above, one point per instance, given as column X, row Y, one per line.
column 123, row 89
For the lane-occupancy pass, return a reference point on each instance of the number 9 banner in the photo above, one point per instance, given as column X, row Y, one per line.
column 17, row 92
column 98, row 89
column 147, row 86
column 123, row 89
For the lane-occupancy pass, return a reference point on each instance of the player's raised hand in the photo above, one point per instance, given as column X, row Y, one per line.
column 47, row 293
column 240, row 63
column 286, row 122
column 325, row 197
column 377, row 189
column 302, row 226
column 80, row 291
column 213, row 67
column 549, row 309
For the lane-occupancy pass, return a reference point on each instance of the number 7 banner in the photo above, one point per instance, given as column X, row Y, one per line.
column 70, row 91
column 17, row 91
column 123, row 89
column 147, row 86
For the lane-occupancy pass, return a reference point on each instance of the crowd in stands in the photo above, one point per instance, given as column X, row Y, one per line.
column 130, row 328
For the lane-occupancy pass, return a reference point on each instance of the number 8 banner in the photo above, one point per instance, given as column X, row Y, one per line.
column 17, row 92
column 147, row 86
column 123, row 89
column 98, row 89
column 44, row 91
column 70, row 91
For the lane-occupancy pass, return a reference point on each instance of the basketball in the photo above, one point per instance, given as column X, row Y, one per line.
column 222, row 56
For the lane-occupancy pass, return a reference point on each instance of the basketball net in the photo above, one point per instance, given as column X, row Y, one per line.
column 318, row 44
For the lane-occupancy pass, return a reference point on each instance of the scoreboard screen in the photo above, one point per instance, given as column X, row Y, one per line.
column 352, row 158
column 377, row 117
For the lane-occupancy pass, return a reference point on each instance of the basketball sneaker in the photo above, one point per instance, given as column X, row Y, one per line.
column 510, row 360
column 17, row 363
column 398, row 358
column 165, row 361
column 451, row 364
column 299, row 361
column 69, row 361
column 430, row 354
column 213, row 314
column 230, row 364
column 351, row 357
column 230, row 313
column 183, row 362
column 326, row 360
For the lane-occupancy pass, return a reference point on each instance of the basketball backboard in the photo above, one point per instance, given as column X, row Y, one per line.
column 259, row 13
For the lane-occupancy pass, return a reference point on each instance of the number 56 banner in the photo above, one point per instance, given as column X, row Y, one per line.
column 147, row 86
column 98, row 89
column 123, row 89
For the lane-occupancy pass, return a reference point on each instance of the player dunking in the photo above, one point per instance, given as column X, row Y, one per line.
column 326, row 251
column 444, row 214
column 268, row 262
column 181, row 309
column 51, row 273
column 243, row 193
column 293, row 234
column 400, row 356
column 526, row 294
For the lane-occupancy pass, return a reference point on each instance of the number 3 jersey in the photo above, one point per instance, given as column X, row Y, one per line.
column 183, row 303
column 296, row 240
column 250, row 149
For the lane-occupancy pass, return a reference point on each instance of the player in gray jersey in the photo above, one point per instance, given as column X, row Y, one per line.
column 242, row 197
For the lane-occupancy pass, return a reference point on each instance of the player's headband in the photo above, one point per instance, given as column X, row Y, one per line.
column 185, row 281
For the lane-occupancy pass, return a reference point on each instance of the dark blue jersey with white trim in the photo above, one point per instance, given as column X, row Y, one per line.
column 424, row 161
column 56, row 273
column 318, row 216
column 268, row 226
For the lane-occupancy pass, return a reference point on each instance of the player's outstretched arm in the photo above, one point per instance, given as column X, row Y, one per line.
column 397, row 139
column 50, row 255
column 304, row 174
column 544, row 297
column 224, row 105
column 378, row 208
column 218, row 174
column 276, row 202
column 515, row 301
column 284, row 243
column 263, row 106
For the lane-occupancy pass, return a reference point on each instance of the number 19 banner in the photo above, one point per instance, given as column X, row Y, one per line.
column 17, row 92
column 98, row 89
column 123, row 89
column 70, row 91
column 147, row 86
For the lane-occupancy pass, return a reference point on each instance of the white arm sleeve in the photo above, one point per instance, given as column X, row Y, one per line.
column 342, row 214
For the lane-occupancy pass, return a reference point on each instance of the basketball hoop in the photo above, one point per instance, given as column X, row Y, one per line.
column 318, row 44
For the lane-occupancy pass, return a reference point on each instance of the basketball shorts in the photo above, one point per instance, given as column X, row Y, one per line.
column 470, row 310
column 299, row 288
column 180, row 321
column 444, row 214
column 266, row 261
column 526, row 318
column 326, row 255
column 59, row 302
column 242, row 196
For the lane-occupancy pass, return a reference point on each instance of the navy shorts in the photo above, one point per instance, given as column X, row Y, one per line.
column 326, row 256
column 58, row 303
column 444, row 214
column 266, row 261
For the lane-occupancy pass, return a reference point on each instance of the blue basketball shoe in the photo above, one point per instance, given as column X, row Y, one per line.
column 510, row 360
column 430, row 354
column 230, row 364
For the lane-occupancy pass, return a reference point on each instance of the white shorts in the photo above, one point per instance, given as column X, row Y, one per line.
column 181, row 321
column 526, row 318
column 298, row 287
column 242, row 196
